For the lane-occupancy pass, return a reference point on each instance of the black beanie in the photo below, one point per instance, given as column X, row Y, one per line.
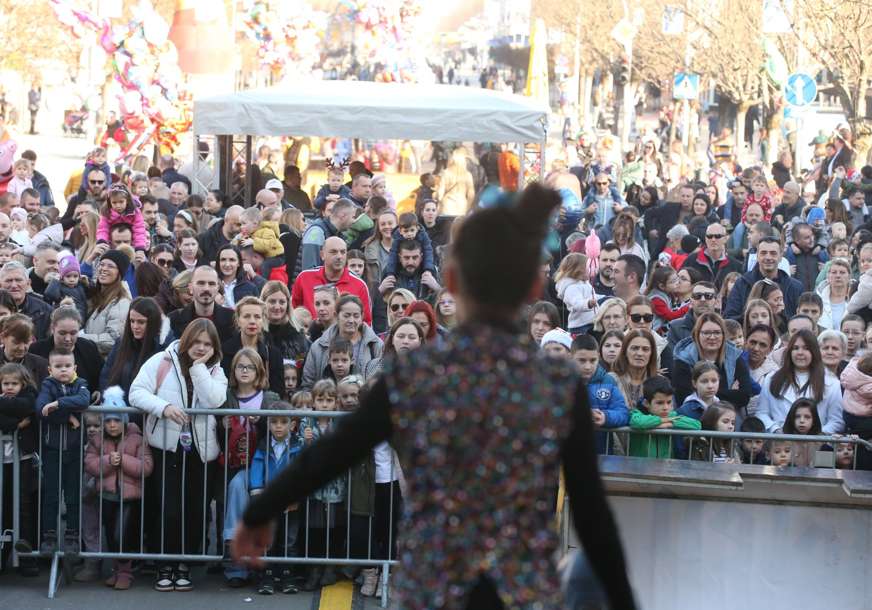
column 689, row 243
column 120, row 259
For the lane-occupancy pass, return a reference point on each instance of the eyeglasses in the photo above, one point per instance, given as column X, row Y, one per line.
column 710, row 333
column 639, row 317
column 244, row 368
column 398, row 306
column 715, row 235
column 703, row 296
column 96, row 182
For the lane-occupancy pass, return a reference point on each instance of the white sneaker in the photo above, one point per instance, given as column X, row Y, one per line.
column 370, row 580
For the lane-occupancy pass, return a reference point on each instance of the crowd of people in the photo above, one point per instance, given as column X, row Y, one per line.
column 683, row 308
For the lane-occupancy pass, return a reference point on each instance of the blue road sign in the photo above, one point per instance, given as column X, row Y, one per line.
column 800, row 89
column 685, row 86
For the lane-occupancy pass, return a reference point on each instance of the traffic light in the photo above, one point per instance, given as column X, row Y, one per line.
column 624, row 71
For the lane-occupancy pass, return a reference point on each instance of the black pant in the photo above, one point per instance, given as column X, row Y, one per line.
column 388, row 508
column 61, row 472
column 178, row 496
column 121, row 521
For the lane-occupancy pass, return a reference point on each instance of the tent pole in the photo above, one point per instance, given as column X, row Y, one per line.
column 522, row 158
column 248, row 174
column 195, row 183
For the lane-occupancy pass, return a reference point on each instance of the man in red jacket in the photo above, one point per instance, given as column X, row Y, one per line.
column 334, row 272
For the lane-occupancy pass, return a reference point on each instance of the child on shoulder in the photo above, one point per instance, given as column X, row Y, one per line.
column 408, row 228
column 334, row 190
column 96, row 159
column 71, row 285
column 121, row 208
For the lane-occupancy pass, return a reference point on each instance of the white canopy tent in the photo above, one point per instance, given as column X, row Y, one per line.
column 368, row 110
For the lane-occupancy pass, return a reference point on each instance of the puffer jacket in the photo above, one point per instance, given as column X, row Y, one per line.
column 733, row 369
column 105, row 327
column 134, row 220
column 318, row 359
column 136, row 463
column 857, row 399
column 210, row 392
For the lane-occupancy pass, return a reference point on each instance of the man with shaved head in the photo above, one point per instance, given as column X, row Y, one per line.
column 265, row 198
column 333, row 272
column 221, row 232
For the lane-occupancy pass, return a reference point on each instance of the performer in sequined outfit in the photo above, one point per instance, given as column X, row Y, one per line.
column 482, row 425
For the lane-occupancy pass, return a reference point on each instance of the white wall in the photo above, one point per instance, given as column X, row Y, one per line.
column 696, row 555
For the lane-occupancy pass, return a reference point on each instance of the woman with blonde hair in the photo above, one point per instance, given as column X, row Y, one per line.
column 456, row 190
column 86, row 252
column 610, row 315
column 284, row 333
column 251, row 323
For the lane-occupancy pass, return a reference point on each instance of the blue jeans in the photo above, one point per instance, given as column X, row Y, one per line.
column 60, row 472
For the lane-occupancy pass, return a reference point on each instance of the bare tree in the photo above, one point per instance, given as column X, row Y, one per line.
column 837, row 34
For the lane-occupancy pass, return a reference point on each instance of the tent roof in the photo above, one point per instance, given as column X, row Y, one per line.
column 368, row 110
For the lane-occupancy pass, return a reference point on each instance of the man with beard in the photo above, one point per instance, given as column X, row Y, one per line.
column 604, row 283
column 203, row 288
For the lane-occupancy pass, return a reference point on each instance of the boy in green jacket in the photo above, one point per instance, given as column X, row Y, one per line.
column 658, row 413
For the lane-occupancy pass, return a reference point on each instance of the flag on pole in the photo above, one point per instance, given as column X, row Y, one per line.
column 537, row 70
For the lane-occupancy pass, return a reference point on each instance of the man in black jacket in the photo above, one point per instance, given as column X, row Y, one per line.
column 204, row 287
column 13, row 279
column 220, row 233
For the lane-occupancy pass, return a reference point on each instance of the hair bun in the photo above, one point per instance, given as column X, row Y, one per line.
column 534, row 208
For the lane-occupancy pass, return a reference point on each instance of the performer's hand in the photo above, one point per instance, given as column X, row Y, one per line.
column 249, row 544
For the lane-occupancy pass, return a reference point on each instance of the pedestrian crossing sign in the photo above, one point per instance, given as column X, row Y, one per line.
column 685, row 86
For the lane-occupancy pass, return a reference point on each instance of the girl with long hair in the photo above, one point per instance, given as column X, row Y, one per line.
column 802, row 374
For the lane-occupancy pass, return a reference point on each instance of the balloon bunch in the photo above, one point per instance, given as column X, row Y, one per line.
column 154, row 103
column 388, row 35
column 284, row 44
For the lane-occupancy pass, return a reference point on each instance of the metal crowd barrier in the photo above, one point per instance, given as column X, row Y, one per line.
column 681, row 444
column 379, row 545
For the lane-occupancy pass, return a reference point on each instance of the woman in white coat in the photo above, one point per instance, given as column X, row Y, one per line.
column 108, row 303
column 802, row 375
column 186, row 375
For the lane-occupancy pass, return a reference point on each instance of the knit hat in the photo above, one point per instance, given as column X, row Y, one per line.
column 814, row 215
column 113, row 397
column 120, row 259
column 689, row 243
column 69, row 264
column 557, row 335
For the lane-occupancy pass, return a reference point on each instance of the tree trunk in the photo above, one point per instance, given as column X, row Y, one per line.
column 741, row 114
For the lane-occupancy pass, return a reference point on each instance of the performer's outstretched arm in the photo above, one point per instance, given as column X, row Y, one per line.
column 329, row 457
column 590, row 511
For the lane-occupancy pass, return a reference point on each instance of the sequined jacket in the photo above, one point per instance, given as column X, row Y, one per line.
column 478, row 478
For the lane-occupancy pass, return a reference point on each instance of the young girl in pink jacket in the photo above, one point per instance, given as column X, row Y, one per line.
column 120, row 461
column 857, row 403
column 120, row 208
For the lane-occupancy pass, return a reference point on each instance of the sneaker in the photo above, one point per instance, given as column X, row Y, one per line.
column 370, row 581
column 164, row 580
column 123, row 576
column 182, row 579
column 266, row 586
column 49, row 542
column 288, row 583
column 71, row 542
column 348, row 572
column 235, row 582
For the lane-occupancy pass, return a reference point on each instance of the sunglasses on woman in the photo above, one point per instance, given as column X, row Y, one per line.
column 398, row 306
column 640, row 317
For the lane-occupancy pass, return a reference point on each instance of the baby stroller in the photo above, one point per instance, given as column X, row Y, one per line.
column 74, row 122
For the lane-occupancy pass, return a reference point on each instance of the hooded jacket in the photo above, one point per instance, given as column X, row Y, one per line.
column 13, row 411
column 125, row 480
column 266, row 239
column 133, row 219
column 210, row 392
column 577, row 295
column 857, row 399
column 106, row 326
column 89, row 362
column 734, row 368
column 605, row 394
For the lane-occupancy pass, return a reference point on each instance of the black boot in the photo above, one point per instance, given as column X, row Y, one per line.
column 313, row 579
